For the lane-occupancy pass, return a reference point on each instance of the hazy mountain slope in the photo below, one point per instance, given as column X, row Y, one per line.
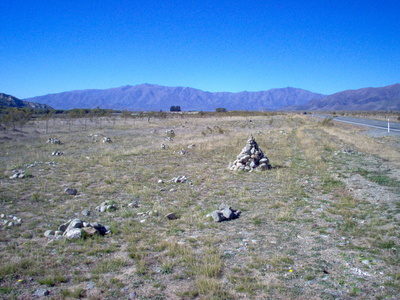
column 155, row 97
column 381, row 98
column 11, row 101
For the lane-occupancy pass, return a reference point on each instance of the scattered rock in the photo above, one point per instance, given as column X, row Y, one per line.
column 85, row 212
column 18, row 175
column 71, row 191
column 133, row 204
column 106, row 206
column 224, row 213
column 191, row 146
column 179, row 179
column 106, row 140
column 164, row 146
column 10, row 221
column 250, row 158
column 170, row 133
column 75, row 229
column 53, row 141
column 57, row 153
column 183, row 152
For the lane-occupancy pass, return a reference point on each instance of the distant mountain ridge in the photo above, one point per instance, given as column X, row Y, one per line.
column 149, row 97
column 11, row 101
column 381, row 98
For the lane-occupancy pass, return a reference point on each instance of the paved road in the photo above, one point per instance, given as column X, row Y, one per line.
column 383, row 125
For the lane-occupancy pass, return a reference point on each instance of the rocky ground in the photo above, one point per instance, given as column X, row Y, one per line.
column 322, row 222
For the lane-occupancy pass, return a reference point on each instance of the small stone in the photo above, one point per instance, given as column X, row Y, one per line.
column 132, row 295
column 41, row 293
column 85, row 212
column 217, row 216
column 171, row 216
column 133, row 204
column 71, row 191
column 49, row 233
column 160, row 181
column 62, row 227
column 76, row 223
column 111, row 207
column 227, row 213
column 90, row 231
column 100, row 228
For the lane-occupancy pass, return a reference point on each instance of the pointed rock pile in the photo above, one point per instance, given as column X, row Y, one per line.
column 251, row 158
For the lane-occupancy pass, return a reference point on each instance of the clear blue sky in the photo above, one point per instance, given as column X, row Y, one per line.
column 213, row 45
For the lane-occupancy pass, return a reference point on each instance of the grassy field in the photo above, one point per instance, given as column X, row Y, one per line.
column 323, row 223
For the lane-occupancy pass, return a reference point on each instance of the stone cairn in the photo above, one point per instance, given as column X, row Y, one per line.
column 251, row 158
column 75, row 229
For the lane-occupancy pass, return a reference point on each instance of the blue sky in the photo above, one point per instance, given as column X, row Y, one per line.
column 321, row 46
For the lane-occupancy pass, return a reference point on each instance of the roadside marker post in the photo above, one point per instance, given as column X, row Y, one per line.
column 388, row 125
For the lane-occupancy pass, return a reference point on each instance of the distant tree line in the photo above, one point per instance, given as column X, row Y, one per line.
column 175, row 108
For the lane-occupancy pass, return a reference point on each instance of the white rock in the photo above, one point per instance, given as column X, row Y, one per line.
column 73, row 233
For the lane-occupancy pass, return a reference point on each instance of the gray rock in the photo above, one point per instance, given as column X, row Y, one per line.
column 49, row 233
column 227, row 213
column 71, row 191
column 132, row 295
column 134, row 204
column 41, row 293
column 90, row 231
column 85, row 212
column 171, row 216
column 217, row 216
column 62, row 227
column 76, row 223
column 73, row 233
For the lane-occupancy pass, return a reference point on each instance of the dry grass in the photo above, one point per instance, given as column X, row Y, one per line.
column 321, row 224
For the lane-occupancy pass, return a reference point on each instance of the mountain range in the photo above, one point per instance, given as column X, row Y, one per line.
column 382, row 98
column 11, row 101
column 151, row 97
